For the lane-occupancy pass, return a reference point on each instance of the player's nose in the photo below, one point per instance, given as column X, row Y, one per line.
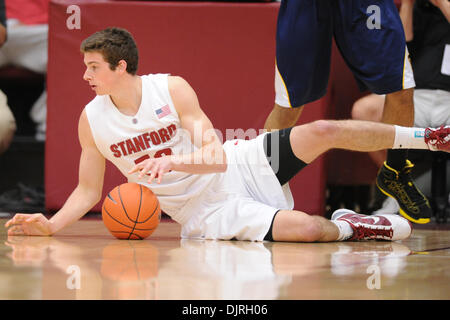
column 87, row 76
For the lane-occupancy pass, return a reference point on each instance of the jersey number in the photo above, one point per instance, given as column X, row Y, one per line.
column 159, row 154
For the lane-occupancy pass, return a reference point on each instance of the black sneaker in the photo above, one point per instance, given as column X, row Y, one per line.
column 414, row 206
column 23, row 198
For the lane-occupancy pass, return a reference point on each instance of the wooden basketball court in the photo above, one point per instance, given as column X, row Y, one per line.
column 85, row 262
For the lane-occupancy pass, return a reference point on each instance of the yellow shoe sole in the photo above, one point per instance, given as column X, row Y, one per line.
column 404, row 214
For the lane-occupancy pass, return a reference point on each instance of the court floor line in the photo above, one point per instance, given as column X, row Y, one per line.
column 430, row 250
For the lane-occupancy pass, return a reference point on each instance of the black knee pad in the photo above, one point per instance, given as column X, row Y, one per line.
column 284, row 163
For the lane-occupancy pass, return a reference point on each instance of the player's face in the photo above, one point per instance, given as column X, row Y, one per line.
column 98, row 73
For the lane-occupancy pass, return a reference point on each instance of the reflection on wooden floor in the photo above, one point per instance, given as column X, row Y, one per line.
column 86, row 262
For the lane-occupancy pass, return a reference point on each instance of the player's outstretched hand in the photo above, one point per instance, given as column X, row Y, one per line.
column 23, row 224
column 154, row 168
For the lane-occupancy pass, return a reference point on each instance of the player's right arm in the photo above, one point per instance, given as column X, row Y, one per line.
column 87, row 193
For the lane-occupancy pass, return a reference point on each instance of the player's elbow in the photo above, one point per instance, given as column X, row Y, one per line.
column 90, row 195
column 96, row 198
column 92, row 199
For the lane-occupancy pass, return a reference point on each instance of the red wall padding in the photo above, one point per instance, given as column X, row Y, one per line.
column 226, row 51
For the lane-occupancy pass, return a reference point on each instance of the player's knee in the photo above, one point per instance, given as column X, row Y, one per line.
column 7, row 127
column 311, row 231
column 359, row 110
column 366, row 109
column 325, row 130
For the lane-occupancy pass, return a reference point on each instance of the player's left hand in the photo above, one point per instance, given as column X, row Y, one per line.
column 155, row 167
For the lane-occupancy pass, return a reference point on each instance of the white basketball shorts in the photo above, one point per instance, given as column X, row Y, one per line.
column 431, row 108
column 241, row 202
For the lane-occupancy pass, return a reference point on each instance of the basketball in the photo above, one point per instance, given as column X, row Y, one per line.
column 131, row 211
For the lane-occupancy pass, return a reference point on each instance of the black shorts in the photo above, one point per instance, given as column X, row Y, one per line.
column 375, row 54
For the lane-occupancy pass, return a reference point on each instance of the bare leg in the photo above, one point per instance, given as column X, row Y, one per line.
column 370, row 108
column 399, row 109
column 297, row 226
column 282, row 117
column 310, row 140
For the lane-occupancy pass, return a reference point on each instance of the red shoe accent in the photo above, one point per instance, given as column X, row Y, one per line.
column 438, row 139
column 368, row 227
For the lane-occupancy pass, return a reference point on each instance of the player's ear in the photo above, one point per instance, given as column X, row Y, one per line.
column 122, row 66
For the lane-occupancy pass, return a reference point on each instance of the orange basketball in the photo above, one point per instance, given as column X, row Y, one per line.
column 131, row 211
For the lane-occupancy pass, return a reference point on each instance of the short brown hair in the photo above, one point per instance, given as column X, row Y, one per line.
column 114, row 44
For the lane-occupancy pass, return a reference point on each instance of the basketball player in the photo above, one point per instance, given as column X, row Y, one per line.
column 370, row 37
column 153, row 129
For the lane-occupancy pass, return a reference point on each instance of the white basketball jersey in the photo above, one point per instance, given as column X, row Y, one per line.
column 152, row 132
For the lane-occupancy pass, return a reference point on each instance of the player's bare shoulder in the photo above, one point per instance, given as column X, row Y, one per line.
column 178, row 86
column 176, row 82
column 182, row 94
column 84, row 130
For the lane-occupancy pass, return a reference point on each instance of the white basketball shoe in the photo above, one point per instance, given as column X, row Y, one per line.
column 376, row 227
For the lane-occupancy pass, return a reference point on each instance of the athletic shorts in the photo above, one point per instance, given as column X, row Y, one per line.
column 431, row 108
column 368, row 33
column 241, row 202
column 26, row 47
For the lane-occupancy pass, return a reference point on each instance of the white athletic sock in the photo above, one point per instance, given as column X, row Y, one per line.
column 345, row 231
column 409, row 138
